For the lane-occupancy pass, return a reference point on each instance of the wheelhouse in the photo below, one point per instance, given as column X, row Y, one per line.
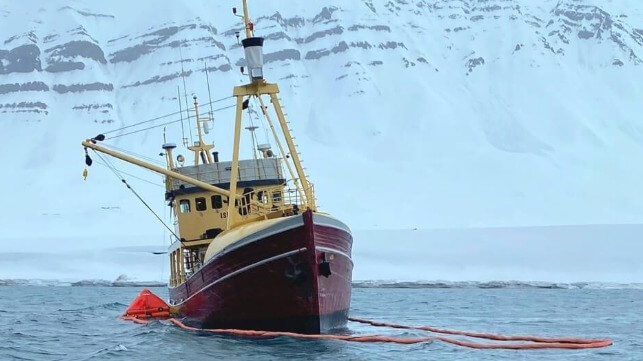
column 202, row 215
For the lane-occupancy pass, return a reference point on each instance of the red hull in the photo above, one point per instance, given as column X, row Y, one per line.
column 276, row 279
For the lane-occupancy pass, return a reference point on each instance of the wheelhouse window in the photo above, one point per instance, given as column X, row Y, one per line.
column 248, row 193
column 184, row 206
column 217, row 202
column 262, row 197
column 276, row 197
column 200, row 204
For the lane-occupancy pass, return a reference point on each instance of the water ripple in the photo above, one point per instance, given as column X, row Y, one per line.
column 81, row 323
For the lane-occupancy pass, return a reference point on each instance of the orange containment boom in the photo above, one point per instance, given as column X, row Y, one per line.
column 148, row 306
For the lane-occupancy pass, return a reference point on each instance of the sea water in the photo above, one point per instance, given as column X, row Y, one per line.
column 81, row 323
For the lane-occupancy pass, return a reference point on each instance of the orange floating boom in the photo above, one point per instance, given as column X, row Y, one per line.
column 147, row 306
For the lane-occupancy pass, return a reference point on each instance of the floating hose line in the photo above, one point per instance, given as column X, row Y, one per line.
column 534, row 342
column 148, row 307
column 550, row 343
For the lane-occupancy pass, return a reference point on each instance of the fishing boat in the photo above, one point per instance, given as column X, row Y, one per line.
column 252, row 250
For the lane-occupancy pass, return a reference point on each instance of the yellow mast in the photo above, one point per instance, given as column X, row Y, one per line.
column 246, row 19
column 310, row 198
column 258, row 87
column 234, row 173
column 264, row 110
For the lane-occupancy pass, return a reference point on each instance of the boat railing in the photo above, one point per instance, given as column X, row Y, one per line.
column 288, row 201
column 298, row 196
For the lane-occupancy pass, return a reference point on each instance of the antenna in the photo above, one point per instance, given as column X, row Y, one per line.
column 246, row 20
column 252, row 129
column 253, row 48
column 185, row 93
column 199, row 147
column 178, row 92
column 207, row 78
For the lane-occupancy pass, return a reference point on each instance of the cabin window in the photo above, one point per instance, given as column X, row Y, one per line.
column 276, row 197
column 217, row 202
column 245, row 205
column 247, row 199
column 262, row 197
column 200, row 204
column 184, row 206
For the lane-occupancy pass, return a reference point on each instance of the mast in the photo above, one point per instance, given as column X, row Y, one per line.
column 200, row 149
column 253, row 48
column 246, row 20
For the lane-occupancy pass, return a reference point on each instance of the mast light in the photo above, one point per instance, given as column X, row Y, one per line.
column 254, row 57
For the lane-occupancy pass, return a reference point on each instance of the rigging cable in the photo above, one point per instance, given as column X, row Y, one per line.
column 160, row 125
column 178, row 92
column 133, row 176
column 263, row 120
column 207, row 78
column 165, row 116
column 120, row 177
column 126, row 151
column 185, row 93
column 252, row 129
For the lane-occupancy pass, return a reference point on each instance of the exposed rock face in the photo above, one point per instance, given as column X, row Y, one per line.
column 21, row 59
column 24, row 87
column 24, row 107
column 516, row 112
column 79, row 88
column 571, row 19
column 377, row 31
column 472, row 63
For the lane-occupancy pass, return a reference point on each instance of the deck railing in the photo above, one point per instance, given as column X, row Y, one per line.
column 263, row 203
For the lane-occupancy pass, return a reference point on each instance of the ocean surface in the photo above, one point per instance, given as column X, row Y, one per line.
column 81, row 323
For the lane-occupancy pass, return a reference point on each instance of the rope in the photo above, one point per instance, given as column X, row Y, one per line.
column 119, row 176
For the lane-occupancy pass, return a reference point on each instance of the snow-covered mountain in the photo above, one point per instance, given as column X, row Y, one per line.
column 408, row 114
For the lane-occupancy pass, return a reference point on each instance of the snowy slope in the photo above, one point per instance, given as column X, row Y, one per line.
column 481, row 113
